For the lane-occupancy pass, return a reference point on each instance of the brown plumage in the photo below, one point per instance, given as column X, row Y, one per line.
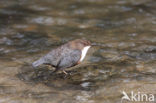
column 65, row 56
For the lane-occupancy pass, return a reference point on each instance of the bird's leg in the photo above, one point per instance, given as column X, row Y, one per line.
column 65, row 72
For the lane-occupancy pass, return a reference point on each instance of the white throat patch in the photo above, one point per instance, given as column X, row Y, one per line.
column 84, row 52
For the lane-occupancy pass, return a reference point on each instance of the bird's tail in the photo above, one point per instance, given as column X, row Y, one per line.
column 38, row 62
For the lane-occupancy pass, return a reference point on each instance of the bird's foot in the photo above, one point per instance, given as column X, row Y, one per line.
column 66, row 74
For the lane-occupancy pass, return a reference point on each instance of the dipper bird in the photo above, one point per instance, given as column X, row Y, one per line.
column 68, row 55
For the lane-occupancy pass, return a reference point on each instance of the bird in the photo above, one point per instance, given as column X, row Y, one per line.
column 65, row 56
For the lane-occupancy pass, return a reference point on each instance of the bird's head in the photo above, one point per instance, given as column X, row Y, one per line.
column 80, row 44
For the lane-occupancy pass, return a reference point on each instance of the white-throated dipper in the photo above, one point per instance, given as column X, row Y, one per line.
column 65, row 56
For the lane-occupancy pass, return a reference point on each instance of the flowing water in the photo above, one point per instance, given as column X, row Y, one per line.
column 124, row 60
